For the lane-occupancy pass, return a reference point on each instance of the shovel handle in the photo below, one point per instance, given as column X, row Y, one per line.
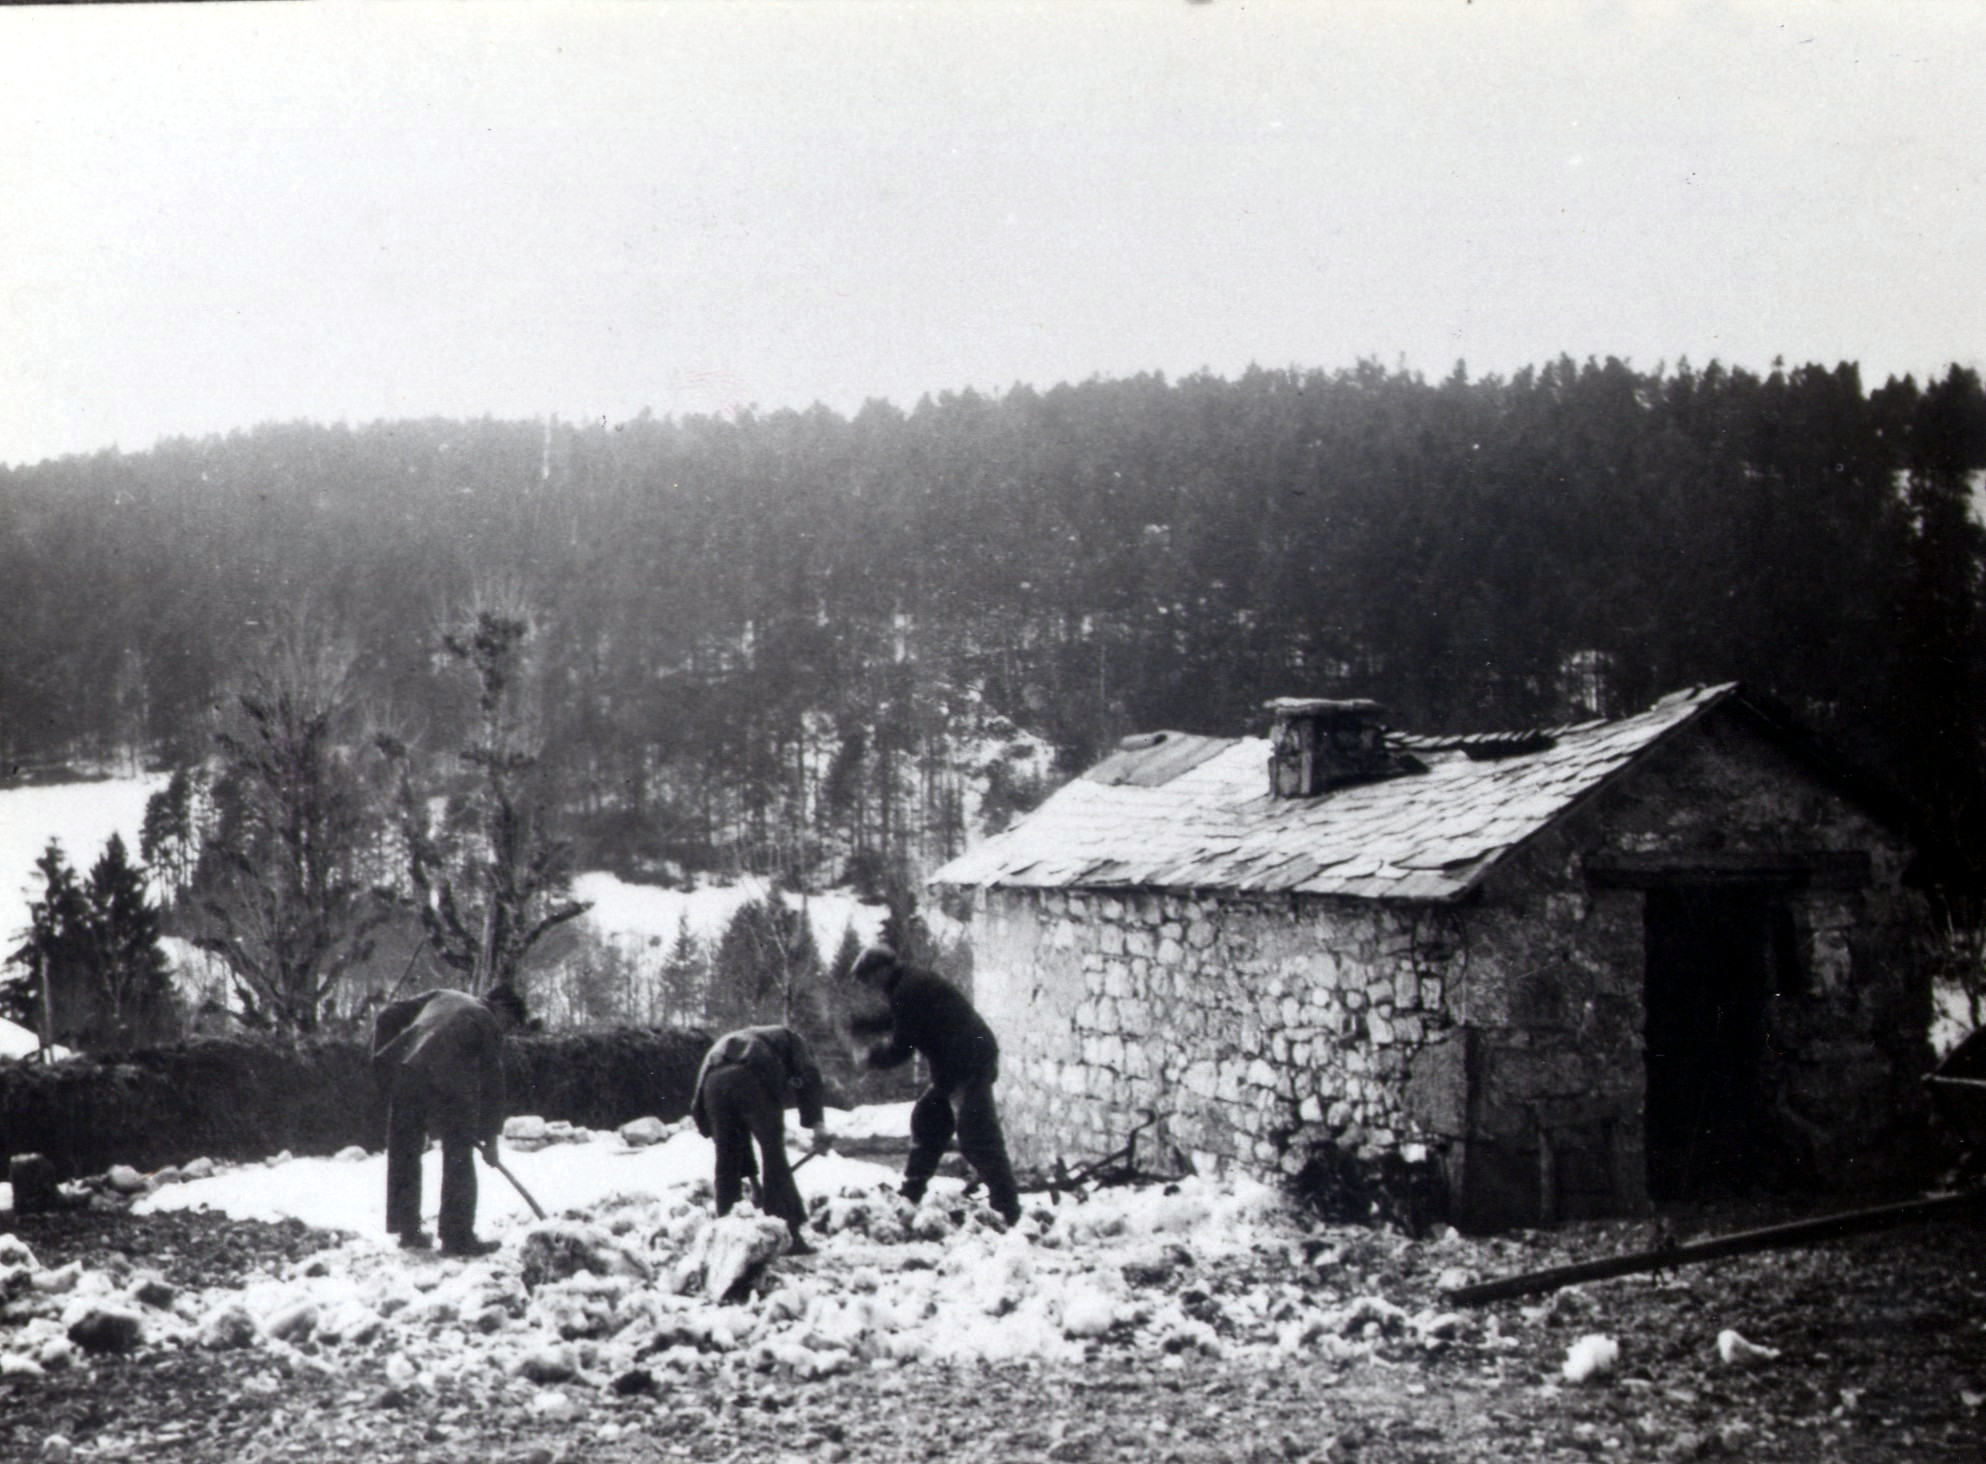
column 517, row 1184
column 810, row 1156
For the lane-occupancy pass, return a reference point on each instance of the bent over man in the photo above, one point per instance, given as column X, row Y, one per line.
column 747, row 1081
column 928, row 1015
column 439, row 1057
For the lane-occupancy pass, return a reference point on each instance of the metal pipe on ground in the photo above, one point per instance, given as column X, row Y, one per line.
column 1771, row 1237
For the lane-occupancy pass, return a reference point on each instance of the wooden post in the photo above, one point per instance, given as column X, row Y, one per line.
column 33, row 1178
column 47, row 1013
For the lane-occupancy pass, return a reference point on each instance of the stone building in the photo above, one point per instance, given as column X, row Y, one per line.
column 1544, row 975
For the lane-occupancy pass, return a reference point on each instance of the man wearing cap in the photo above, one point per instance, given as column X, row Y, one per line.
column 928, row 1015
column 439, row 1056
column 747, row 1081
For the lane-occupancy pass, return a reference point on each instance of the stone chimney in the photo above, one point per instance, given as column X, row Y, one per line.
column 1317, row 745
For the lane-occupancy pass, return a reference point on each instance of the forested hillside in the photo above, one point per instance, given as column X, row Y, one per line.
column 799, row 638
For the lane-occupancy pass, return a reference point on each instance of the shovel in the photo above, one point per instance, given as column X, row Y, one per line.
column 810, row 1156
column 516, row 1184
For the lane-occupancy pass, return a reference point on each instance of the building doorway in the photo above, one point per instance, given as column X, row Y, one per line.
column 1709, row 973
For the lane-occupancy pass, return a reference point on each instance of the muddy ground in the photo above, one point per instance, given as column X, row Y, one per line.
column 1882, row 1338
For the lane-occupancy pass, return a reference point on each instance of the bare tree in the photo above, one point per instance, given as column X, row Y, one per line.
column 289, row 906
column 491, row 880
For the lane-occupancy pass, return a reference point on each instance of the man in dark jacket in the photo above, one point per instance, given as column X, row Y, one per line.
column 439, row 1056
column 930, row 1016
column 747, row 1081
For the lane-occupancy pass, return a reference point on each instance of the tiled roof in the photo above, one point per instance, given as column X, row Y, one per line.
column 1182, row 812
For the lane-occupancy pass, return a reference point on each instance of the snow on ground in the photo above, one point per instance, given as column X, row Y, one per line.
column 876, row 1121
column 18, row 1041
column 627, row 1276
column 648, row 917
column 638, row 915
column 1951, row 1018
column 82, row 815
column 643, row 920
column 350, row 1193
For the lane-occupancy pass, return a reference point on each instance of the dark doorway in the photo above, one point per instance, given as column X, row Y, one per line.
column 1709, row 955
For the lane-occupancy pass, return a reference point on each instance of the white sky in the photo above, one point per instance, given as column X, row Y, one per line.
column 214, row 215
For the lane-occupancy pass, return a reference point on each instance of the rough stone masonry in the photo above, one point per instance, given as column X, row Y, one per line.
column 1501, row 1039
column 1229, row 1019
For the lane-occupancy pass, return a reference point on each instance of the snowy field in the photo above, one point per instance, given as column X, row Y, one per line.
column 82, row 815
column 645, row 919
column 18, row 1041
column 577, row 1174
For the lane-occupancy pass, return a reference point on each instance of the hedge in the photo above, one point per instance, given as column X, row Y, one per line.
column 247, row 1098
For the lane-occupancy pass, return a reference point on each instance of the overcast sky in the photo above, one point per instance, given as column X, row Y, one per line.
column 216, row 215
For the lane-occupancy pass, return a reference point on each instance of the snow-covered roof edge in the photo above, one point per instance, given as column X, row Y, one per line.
column 1095, row 856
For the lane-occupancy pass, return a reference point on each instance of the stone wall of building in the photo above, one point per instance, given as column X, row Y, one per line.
column 1240, row 1031
column 1498, row 1041
column 1559, row 970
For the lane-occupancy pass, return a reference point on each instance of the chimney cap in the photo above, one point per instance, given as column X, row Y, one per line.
column 1359, row 709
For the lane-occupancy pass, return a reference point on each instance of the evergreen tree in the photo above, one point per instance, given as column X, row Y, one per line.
column 683, row 979
column 904, row 929
column 130, row 970
column 168, row 840
column 53, row 995
column 841, row 969
column 766, row 968
column 1942, row 667
column 93, row 973
column 591, row 980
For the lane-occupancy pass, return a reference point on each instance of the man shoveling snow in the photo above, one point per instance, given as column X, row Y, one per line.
column 440, row 1058
column 928, row 1015
column 747, row 1081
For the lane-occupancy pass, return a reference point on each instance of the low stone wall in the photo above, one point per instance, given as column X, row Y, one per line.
column 243, row 1099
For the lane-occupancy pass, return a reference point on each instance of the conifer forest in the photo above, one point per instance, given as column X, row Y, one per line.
column 828, row 646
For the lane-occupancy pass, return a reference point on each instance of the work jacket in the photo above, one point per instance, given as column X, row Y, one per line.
column 781, row 1060
column 928, row 1015
column 451, row 1044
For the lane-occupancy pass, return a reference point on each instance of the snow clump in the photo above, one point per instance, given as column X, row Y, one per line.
column 1592, row 1356
column 1736, row 1350
column 730, row 1251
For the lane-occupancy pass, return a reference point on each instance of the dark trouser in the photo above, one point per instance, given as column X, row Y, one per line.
column 742, row 1109
column 410, row 1112
column 977, row 1123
